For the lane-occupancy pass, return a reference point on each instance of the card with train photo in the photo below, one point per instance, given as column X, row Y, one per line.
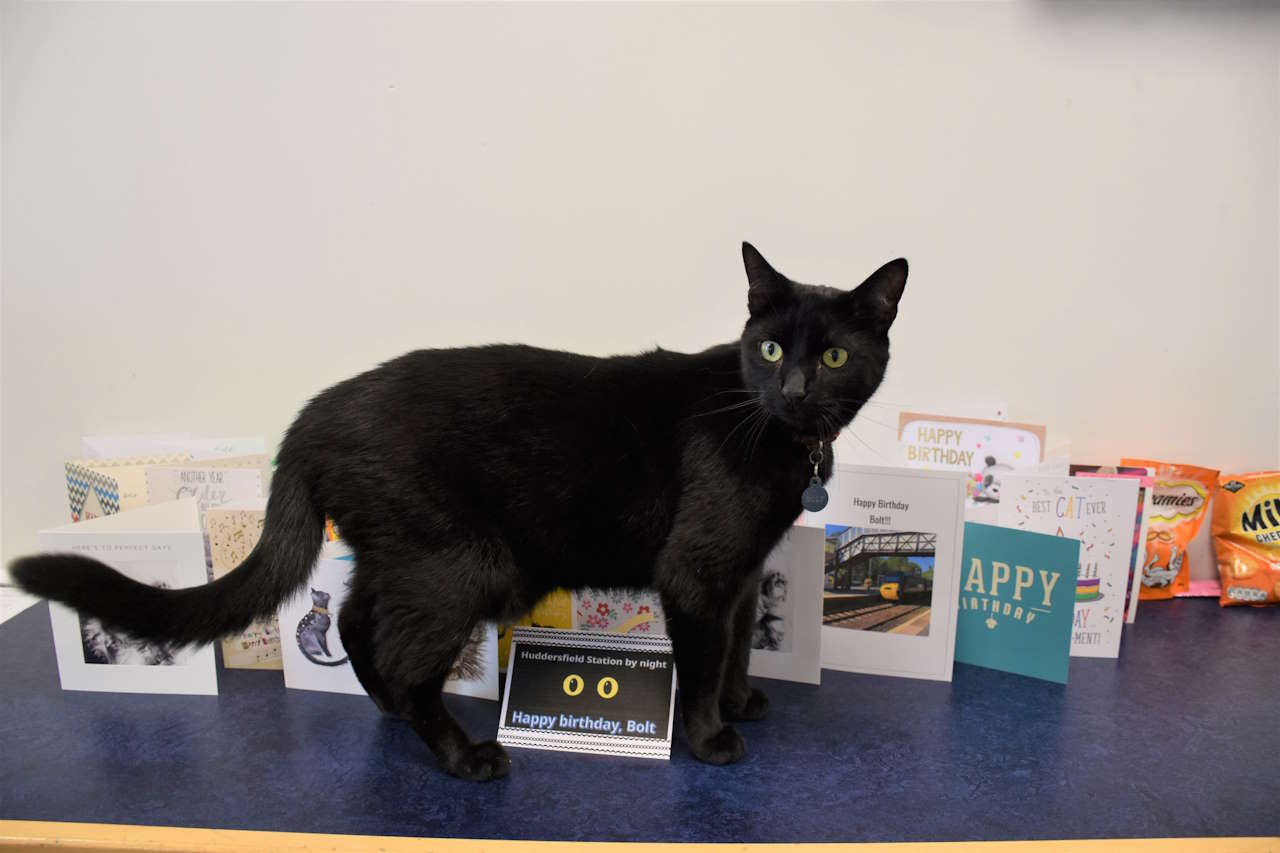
column 159, row 545
column 312, row 653
column 892, row 540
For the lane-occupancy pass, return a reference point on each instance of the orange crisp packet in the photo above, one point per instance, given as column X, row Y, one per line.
column 1246, row 535
column 1178, row 504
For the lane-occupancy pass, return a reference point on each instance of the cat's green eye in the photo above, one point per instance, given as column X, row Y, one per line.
column 835, row 357
column 771, row 350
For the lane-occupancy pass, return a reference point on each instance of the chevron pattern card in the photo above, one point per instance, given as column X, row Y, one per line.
column 1100, row 513
column 98, row 487
column 1017, row 600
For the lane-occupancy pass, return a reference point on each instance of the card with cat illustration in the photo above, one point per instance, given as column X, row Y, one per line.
column 787, row 640
column 158, row 545
column 311, row 649
column 234, row 530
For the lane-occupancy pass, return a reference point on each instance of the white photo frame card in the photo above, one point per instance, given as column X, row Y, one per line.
column 314, row 658
column 787, row 640
column 159, row 544
column 891, row 573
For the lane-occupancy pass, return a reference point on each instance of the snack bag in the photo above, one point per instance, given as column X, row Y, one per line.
column 1246, row 536
column 1178, row 505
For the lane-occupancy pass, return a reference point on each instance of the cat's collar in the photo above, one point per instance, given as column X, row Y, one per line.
column 814, row 442
column 323, row 611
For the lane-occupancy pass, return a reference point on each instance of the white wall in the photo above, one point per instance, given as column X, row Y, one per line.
column 212, row 211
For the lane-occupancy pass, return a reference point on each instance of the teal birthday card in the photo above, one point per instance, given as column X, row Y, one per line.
column 1017, row 601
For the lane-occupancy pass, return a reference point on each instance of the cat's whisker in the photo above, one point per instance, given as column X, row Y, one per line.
column 728, row 391
column 863, row 442
column 758, row 433
column 861, row 417
column 830, row 423
column 735, row 406
column 867, row 401
column 744, row 420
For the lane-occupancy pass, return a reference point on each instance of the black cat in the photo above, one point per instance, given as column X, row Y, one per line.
column 471, row 482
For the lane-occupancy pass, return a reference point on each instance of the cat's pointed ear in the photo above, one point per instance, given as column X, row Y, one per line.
column 875, row 301
column 768, row 289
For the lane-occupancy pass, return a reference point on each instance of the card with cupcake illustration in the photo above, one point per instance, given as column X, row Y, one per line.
column 1099, row 513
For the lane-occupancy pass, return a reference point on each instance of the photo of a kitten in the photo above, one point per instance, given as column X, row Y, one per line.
column 104, row 646
column 107, row 647
column 773, row 617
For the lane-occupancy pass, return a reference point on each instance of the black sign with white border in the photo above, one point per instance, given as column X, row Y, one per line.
column 583, row 691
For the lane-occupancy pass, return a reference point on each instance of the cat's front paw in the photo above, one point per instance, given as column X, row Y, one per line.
column 724, row 747
column 481, row 762
column 752, row 708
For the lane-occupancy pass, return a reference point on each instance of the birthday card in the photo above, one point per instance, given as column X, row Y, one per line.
column 985, row 450
column 1017, row 600
column 891, row 570
column 1100, row 513
column 234, row 531
column 157, row 545
column 311, row 649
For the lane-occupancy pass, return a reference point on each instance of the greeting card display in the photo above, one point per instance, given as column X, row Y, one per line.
column 986, row 450
column 891, row 570
column 159, row 545
column 1099, row 513
column 787, row 639
column 312, row 651
column 1017, row 601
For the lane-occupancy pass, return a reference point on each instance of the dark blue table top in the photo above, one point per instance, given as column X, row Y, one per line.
column 1177, row 738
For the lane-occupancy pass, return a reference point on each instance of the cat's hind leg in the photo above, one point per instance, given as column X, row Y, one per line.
column 426, row 609
column 356, row 627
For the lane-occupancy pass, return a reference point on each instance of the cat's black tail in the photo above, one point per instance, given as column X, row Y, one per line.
column 276, row 568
